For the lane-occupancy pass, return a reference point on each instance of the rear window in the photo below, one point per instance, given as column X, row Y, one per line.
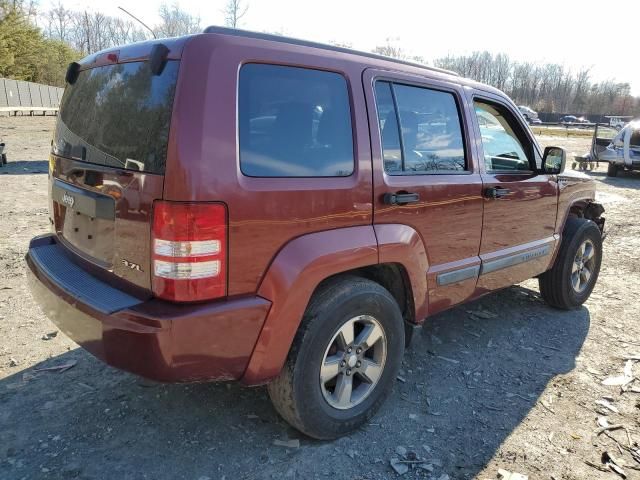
column 118, row 116
column 294, row 122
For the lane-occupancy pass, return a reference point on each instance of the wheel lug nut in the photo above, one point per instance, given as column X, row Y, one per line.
column 348, row 372
column 342, row 363
column 359, row 351
column 349, row 350
column 358, row 364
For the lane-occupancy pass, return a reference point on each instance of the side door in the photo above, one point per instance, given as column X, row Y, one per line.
column 520, row 202
column 425, row 176
column 603, row 135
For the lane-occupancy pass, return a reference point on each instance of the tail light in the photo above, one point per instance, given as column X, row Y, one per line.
column 189, row 251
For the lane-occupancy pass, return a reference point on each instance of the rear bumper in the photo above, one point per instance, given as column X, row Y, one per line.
column 155, row 339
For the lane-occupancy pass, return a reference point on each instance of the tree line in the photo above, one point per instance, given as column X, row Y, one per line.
column 549, row 88
column 38, row 46
column 25, row 53
column 546, row 87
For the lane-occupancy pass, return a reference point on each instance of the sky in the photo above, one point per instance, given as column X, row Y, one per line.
column 573, row 33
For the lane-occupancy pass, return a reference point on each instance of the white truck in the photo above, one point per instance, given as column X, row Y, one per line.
column 619, row 148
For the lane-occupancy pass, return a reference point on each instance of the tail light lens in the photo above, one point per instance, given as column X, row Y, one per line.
column 189, row 251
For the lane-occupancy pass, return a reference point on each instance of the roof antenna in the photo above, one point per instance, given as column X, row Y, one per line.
column 140, row 21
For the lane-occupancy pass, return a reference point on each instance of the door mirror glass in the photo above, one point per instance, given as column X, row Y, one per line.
column 554, row 160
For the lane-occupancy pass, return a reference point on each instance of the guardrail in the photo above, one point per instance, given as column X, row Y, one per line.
column 30, row 110
column 17, row 96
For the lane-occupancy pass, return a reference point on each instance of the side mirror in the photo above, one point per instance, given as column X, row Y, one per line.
column 554, row 160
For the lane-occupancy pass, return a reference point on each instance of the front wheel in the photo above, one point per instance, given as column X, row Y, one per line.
column 612, row 170
column 573, row 276
column 343, row 361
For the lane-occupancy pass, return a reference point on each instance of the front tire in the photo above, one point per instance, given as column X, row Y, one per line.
column 575, row 272
column 343, row 361
column 612, row 170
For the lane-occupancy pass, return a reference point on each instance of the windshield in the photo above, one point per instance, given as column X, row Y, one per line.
column 118, row 116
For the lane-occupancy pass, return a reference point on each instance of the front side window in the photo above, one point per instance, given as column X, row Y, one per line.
column 503, row 151
column 294, row 122
column 420, row 129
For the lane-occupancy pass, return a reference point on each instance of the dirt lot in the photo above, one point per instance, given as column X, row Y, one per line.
column 505, row 382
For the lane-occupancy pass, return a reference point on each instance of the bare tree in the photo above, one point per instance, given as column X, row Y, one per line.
column 176, row 22
column 58, row 22
column 390, row 49
column 549, row 88
column 340, row 44
column 234, row 11
column 88, row 32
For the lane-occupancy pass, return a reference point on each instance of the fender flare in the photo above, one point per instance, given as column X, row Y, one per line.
column 584, row 203
column 303, row 263
column 403, row 245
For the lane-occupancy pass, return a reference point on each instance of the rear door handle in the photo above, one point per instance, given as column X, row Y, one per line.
column 496, row 192
column 400, row 198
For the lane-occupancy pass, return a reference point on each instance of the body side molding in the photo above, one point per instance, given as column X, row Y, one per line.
column 458, row 275
column 514, row 259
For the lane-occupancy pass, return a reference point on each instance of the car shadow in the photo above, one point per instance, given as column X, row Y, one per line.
column 623, row 179
column 469, row 379
column 22, row 167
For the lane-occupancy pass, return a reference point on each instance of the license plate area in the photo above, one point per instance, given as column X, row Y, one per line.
column 92, row 237
column 85, row 222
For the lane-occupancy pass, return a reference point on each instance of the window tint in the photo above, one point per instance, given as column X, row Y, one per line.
column 431, row 141
column 389, row 131
column 502, row 148
column 294, row 122
column 118, row 115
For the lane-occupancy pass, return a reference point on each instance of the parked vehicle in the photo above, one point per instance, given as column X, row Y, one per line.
column 531, row 116
column 618, row 121
column 620, row 148
column 283, row 228
column 573, row 120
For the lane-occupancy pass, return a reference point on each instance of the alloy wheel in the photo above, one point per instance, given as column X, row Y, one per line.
column 583, row 266
column 353, row 362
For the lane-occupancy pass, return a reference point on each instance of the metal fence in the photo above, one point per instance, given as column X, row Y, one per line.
column 28, row 97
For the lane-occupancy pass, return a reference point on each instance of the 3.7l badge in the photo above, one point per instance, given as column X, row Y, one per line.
column 131, row 265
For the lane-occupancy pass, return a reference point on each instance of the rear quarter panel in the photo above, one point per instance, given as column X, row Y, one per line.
column 264, row 213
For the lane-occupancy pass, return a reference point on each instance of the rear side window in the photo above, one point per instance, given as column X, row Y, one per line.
column 118, row 116
column 294, row 122
column 420, row 129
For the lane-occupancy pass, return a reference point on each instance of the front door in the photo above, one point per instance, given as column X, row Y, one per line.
column 520, row 202
column 425, row 176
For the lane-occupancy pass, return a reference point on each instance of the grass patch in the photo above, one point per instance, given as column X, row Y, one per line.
column 563, row 132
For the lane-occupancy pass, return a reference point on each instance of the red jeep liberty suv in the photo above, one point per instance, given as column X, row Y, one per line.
column 242, row 206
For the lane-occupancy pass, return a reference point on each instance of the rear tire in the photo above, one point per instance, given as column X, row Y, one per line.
column 612, row 170
column 574, row 274
column 318, row 406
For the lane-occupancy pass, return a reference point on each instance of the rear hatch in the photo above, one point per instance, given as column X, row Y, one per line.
column 107, row 165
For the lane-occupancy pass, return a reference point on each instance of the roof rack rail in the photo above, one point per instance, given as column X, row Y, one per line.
column 306, row 43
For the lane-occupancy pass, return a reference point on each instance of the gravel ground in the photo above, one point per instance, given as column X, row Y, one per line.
column 501, row 383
